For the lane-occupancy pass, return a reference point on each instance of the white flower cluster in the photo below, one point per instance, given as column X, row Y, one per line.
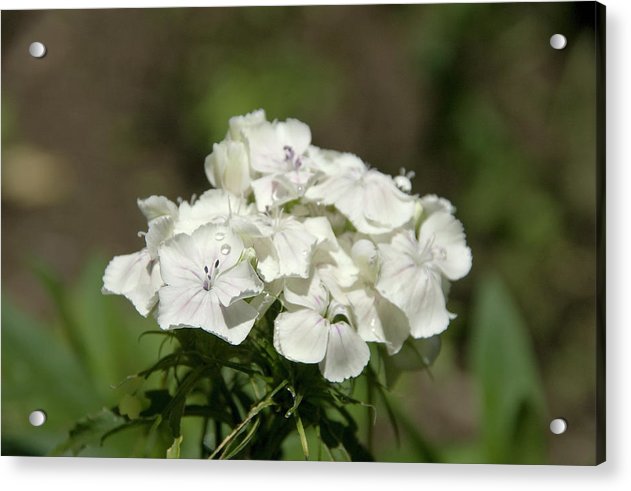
column 352, row 256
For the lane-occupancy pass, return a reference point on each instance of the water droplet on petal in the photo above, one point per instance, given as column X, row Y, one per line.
column 225, row 249
column 220, row 220
column 305, row 253
column 300, row 189
column 220, row 236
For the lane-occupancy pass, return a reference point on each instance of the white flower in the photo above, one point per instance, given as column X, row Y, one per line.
column 277, row 151
column 135, row 276
column 214, row 206
column 157, row 206
column 206, row 282
column 432, row 203
column 411, row 271
column 284, row 247
column 228, row 167
column 309, row 331
column 378, row 320
column 238, row 124
column 369, row 199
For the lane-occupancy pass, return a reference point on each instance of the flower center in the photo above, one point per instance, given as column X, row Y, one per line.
column 432, row 252
column 210, row 274
column 293, row 161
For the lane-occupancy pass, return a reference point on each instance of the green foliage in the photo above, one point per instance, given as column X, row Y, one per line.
column 90, row 431
column 505, row 367
column 69, row 366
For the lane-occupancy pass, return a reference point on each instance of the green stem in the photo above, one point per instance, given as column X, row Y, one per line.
column 256, row 409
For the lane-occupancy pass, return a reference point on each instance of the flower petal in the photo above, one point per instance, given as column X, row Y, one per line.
column 180, row 262
column 310, row 293
column 214, row 206
column 294, row 247
column 237, row 283
column 268, row 264
column 379, row 320
column 228, row 167
column 159, row 231
column 384, row 204
column 295, row 134
column 346, row 354
column 157, row 206
column 195, row 307
column 415, row 289
column 447, row 234
column 238, row 124
column 301, row 335
column 136, row 277
column 432, row 203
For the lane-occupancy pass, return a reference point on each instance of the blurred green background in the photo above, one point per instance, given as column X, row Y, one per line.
column 127, row 103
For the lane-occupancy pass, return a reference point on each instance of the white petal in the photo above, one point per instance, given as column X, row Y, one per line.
column 265, row 299
column 321, row 229
column 266, row 149
column 294, row 247
column 415, row 289
column 214, row 206
column 448, row 238
column 301, row 335
column 157, row 206
column 385, row 205
column 429, row 316
column 270, row 191
column 379, row 320
column 346, row 193
column 136, row 277
column 432, row 203
column 310, row 293
column 268, row 265
column 181, row 262
column 184, row 257
column 239, row 123
column 237, row 283
column 295, row 134
column 159, row 231
column 228, row 167
column 196, row 307
column 366, row 256
column 346, row 354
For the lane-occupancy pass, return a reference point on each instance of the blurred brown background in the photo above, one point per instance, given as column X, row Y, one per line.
column 127, row 103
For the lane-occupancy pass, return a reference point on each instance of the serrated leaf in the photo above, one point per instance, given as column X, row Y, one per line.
column 90, row 431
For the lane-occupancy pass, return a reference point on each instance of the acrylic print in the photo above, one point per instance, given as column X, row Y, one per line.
column 338, row 233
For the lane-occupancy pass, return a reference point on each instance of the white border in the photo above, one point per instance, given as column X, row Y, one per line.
column 149, row 475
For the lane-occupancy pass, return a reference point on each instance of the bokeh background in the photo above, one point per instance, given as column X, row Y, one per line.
column 127, row 103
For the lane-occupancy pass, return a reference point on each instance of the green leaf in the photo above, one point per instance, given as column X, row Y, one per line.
column 303, row 436
column 415, row 354
column 173, row 452
column 39, row 371
column 90, row 431
column 130, row 406
column 512, row 423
